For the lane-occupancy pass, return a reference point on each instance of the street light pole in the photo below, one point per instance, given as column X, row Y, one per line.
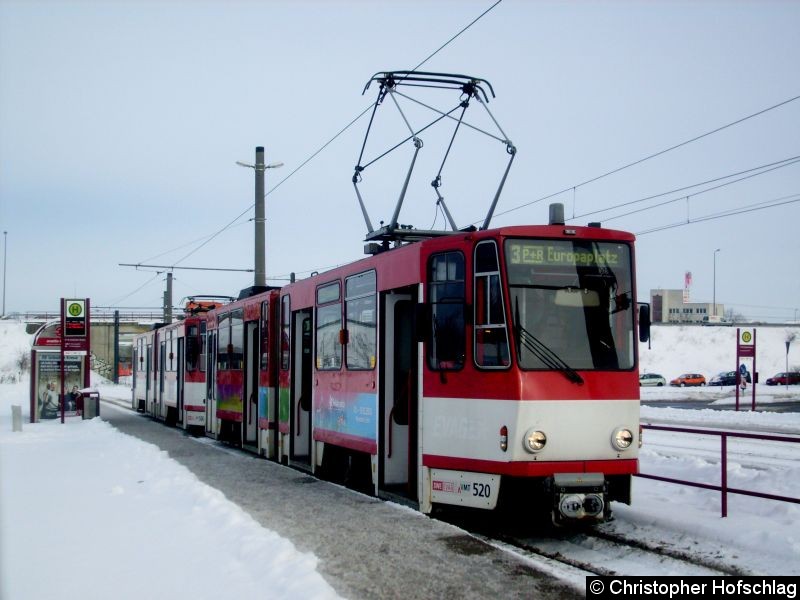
column 5, row 252
column 715, row 281
column 260, row 279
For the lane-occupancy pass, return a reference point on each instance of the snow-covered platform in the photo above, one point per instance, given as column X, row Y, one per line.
column 367, row 548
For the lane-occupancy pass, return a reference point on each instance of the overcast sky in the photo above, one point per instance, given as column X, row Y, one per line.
column 120, row 125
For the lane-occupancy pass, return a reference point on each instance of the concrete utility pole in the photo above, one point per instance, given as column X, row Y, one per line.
column 168, row 300
column 115, row 371
column 260, row 278
column 260, row 244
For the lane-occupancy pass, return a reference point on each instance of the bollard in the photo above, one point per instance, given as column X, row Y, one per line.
column 16, row 417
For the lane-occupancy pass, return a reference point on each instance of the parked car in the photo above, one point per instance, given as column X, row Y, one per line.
column 649, row 379
column 716, row 320
column 790, row 378
column 688, row 379
column 727, row 378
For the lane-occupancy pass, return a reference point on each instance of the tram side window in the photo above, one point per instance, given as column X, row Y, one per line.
column 236, row 358
column 211, row 344
column 361, row 321
column 202, row 341
column 286, row 322
column 223, row 341
column 264, row 335
column 446, row 295
column 491, row 340
column 329, row 324
column 170, row 353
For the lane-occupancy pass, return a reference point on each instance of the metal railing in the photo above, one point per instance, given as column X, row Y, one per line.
column 723, row 488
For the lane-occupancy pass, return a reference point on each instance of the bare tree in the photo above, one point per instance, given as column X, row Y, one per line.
column 734, row 317
column 23, row 361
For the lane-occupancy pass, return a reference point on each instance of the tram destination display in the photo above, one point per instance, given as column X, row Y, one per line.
column 560, row 254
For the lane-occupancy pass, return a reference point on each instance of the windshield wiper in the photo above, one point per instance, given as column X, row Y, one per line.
column 541, row 350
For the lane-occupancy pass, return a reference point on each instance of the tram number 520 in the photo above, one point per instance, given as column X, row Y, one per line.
column 481, row 490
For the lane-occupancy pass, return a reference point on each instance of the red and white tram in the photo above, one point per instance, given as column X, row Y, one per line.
column 453, row 369
column 169, row 375
column 471, row 368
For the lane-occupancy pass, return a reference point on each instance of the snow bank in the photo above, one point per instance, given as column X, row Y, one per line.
column 88, row 512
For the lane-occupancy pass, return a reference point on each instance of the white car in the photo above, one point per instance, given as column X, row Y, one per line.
column 654, row 379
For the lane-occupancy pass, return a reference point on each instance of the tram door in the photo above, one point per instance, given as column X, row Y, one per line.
column 250, row 399
column 181, row 383
column 399, row 397
column 162, row 366
column 148, row 387
column 135, row 373
column 211, row 384
column 301, row 388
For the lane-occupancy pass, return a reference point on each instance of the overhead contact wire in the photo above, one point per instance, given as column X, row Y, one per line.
column 651, row 156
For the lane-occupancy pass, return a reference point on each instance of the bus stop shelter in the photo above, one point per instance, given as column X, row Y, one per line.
column 60, row 364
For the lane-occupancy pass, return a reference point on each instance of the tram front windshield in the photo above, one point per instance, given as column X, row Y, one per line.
column 571, row 304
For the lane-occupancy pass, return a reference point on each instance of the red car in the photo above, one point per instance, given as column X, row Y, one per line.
column 688, row 379
column 792, row 378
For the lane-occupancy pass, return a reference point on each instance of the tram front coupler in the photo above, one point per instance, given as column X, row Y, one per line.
column 579, row 497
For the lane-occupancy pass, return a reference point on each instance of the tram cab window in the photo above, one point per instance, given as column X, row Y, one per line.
column 192, row 347
column 491, row 340
column 446, row 295
column 571, row 303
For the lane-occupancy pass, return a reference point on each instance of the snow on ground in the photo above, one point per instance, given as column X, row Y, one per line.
column 88, row 512
column 758, row 536
column 83, row 527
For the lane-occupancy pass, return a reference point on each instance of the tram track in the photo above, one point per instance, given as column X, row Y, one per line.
column 583, row 552
column 594, row 551
column 614, row 555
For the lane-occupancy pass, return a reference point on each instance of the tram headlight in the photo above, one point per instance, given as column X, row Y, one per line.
column 534, row 440
column 622, row 438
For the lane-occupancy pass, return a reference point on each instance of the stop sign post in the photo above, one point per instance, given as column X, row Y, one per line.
column 745, row 348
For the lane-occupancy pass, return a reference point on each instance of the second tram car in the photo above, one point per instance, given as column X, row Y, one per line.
column 241, row 390
column 169, row 373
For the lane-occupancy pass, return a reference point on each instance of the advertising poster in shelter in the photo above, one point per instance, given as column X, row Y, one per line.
column 48, row 369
